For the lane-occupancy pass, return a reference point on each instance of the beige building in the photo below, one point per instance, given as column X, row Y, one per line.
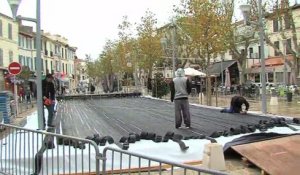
column 26, row 43
column 17, row 43
column 81, row 77
column 57, row 55
column 58, row 58
column 8, row 45
column 275, row 63
column 8, row 40
column 273, row 60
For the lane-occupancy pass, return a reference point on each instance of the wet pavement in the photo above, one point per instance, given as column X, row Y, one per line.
column 284, row 108
column 25, row 109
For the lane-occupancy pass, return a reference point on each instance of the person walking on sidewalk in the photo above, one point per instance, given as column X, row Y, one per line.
column 49, row 98
column 236, row 105
column 180, row 89
column 28, row 95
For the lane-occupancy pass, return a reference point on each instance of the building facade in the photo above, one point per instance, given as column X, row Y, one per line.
column 18, row 44
column 275, row 63
column 81, row 78
column 27, row 50
column 8, row 46
column 59, row 59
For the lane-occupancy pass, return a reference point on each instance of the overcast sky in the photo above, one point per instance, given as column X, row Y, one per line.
column 87, row 24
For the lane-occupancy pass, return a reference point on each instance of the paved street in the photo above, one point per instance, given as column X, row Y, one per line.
column 283, row 108
column 25, row 109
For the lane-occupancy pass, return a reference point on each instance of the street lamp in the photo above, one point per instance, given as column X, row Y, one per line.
column 14, row 4
column 246, row 12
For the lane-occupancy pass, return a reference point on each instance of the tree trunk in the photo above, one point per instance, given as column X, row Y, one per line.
column 297, row 64
column 242, row 70
column 109, row 82
column 208, row 90
column 293, row 75
column 208, row 80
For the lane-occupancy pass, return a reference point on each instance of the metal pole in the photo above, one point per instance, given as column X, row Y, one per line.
column 16, row 95
column 60, row 77
column 285, row 67
column 118, row 82
column 216, row 92
column 165, row 71
column 173, row 48
column 222, row 74
column 262, row 57
column 240, row 79
column 156, row 87
column 127, row 90
column 201, row 93
column 40, row 105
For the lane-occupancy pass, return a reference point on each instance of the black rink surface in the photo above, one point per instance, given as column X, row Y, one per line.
column 118, row 117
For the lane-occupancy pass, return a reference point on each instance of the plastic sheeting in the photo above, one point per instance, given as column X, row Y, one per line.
column 168, row 151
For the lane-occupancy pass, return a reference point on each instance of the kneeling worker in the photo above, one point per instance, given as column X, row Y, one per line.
column 236, row 105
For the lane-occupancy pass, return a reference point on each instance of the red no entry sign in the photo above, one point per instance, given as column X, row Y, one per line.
column 14, row 68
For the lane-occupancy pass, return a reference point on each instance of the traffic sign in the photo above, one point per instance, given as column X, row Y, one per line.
column 15, row 68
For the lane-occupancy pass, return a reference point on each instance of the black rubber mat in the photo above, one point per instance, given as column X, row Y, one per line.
column 119, row 117
column 256, row 137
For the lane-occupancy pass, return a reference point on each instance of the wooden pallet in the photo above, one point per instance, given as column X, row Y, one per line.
column 277, row 156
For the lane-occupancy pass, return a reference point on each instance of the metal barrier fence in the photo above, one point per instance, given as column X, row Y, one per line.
column 120, row 161
column 27, row 151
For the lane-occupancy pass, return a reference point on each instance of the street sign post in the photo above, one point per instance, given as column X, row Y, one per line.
column 15, row 68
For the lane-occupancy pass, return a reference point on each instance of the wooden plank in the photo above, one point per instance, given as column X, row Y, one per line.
column 156, row 169
column 132, row 170
column 278, row 156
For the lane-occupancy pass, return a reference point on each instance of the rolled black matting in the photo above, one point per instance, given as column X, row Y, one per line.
column 118, row 117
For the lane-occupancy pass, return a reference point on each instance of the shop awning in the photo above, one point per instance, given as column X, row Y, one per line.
column 268, row 69
column 274, row 61
column 215, row 68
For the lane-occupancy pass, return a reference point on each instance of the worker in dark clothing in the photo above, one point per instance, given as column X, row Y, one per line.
column 180, row 89
column 92, row 88
column 236, row 105
column 48, row 91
